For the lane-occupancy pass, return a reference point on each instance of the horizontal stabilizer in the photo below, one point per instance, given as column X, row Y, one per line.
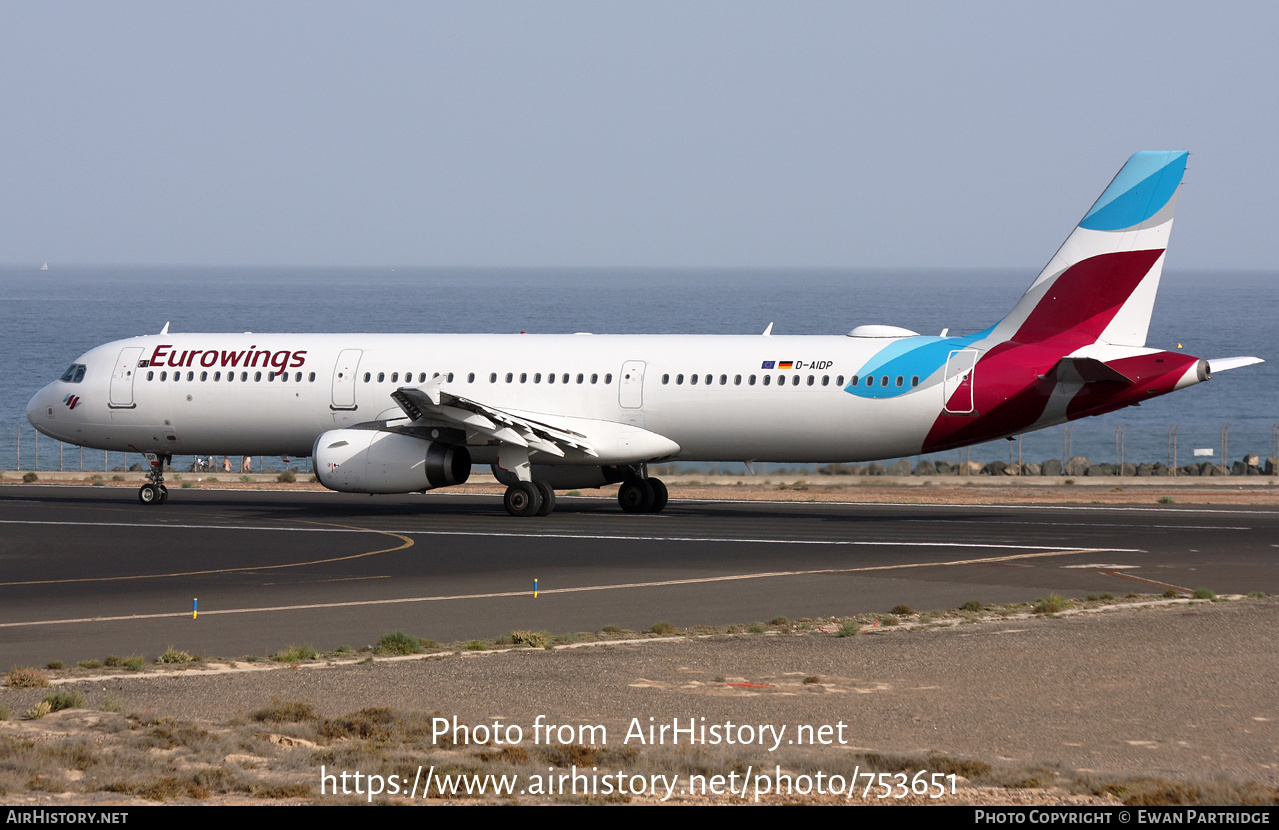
column 1223, row 364
column 1087, row 370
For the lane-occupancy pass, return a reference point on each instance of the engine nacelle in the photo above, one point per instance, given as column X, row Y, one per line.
column 370, row 461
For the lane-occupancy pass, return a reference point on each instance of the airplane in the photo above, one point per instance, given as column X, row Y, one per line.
column 402, row 413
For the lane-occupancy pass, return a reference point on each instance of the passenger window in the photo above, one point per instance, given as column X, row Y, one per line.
column 244, row 377
column 594, row 378
column 899, row 380
column 204, row 376
column 737, row 380
column 811, row 379
column 608, row 378
column 470, row 378
column 257, row 376
column 853, row 382
column 537, row 378
column 381, row 377
column 679, row 380
column 768, row 379
column 550, row 378
column 794, row 381
column 450, row 377
column 825, row 380
column 565, row 378
column 164, row 376
column 883, row 380
column 190, row 376
column 523, row 377
column 150, row 375
column 751, row 382
column 580, row 377
column 493, row 377
column 509, row 377
column 666, row 379
column 710, row 379
column 395, row 377
column 366, row 377
column 692, row 379
column 839, row 381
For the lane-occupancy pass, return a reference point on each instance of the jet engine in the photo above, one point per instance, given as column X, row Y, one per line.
column 373, row 461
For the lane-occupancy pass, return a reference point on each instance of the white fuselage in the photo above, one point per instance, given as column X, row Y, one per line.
column 274, row 394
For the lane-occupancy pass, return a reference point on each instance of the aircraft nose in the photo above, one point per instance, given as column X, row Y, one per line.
column 37, row 408
column 33, row 407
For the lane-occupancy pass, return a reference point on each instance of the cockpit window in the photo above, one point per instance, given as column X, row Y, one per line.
column 73, row 374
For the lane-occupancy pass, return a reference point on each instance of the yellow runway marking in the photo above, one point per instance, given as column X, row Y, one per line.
column 407, row 543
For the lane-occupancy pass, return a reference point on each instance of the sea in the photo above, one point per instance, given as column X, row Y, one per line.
column 52, row 316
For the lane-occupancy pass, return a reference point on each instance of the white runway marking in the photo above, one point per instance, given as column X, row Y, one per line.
column 1074, row 524
column 594, row 536
column 580, row 589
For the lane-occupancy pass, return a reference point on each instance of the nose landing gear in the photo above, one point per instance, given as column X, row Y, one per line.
column 155, row 492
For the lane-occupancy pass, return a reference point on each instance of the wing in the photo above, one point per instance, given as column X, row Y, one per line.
column 430, row 401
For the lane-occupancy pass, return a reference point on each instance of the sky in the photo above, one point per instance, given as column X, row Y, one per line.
column 633, row 134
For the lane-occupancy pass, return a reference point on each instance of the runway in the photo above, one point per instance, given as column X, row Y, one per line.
column 87, row 571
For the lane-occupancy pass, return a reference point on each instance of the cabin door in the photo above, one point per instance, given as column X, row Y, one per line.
column 126, row 366
column 630, row 391
column 958, row 386
column 344, row 378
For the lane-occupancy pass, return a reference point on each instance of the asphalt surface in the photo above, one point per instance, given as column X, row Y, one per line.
column 88, row 571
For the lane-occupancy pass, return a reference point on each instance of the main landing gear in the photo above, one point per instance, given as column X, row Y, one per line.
column 643, row 495
column 529, row 498
column 536, row 498
column 155, row 492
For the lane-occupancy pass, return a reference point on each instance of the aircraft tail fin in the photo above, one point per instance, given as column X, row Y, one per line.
column 1101, row 284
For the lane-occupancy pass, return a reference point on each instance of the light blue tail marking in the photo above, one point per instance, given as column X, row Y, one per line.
column 1141, row 189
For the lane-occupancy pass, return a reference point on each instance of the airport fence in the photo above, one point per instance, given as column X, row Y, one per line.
column 1213, row 449
column 33, row 452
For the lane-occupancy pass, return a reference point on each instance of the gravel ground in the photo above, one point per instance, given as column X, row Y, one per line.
column 1181, row 691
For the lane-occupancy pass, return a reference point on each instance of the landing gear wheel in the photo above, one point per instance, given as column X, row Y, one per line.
column 548, row 498
column 149, row 494
column 636, row 496
column 164, row 493
column 660, row 495
column 522, row 499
